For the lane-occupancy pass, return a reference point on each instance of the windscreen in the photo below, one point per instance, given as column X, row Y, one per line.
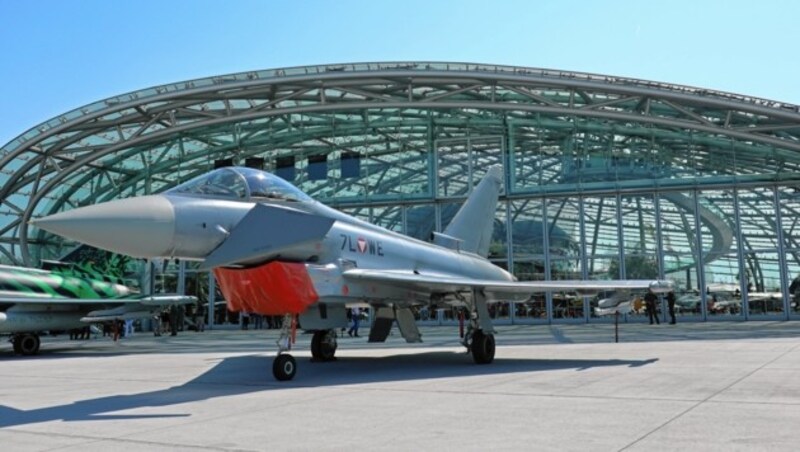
column 223, row 183
column 268, row 186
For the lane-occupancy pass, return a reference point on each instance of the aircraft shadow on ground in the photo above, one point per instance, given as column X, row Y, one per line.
column 252, row 373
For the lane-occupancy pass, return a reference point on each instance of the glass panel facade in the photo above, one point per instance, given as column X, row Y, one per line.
column 793, row 271
column 602, row 244
column 592, row 192
column 764, row 295
column 677, row 211
column 420, row 221
column 638, row 224
column 527, row 237
column 758, row 219
column 390, row 218
column 498, row 249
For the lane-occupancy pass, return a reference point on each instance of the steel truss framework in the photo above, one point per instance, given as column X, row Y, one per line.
column 611, row 152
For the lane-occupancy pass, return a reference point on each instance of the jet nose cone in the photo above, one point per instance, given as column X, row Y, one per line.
column 139, row 227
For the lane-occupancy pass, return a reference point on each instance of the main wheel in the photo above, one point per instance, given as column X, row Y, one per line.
column 323, row 345
column 482, row 347
column 284, row 367
column 27, row 343
column 16, row 341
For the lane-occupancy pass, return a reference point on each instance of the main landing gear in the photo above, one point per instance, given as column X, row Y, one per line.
column 479, row 339
column 480, row 344
column 323, row 345
column 482, row 347
column 26, row 344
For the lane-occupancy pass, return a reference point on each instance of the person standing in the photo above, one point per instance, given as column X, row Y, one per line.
column 157, row 324
column 650, row 304
column 671, row 306
column 356, row 315
column 129, row 328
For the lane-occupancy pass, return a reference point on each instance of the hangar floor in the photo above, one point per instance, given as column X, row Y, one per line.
column 700, row 386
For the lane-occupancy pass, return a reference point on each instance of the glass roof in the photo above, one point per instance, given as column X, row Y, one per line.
column 565, row 133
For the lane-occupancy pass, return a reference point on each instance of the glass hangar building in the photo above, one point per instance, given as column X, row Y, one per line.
column 605, row 177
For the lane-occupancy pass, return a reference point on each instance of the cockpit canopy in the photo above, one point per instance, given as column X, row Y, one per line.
column 244, row 184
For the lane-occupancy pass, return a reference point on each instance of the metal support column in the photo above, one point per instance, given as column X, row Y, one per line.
column 781, row 254
column 659, row 236
column 620, row 237
column 659, row 248
column 740, row 251
column 546, row 248
column 181, row 278
column 510, row 255
column 698, row 256
column 587, row 307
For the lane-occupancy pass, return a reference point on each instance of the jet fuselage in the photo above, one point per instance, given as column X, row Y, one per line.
column 18, row 284
column 202, row 224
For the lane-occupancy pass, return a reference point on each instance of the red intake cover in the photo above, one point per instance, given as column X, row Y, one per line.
column 275, row 288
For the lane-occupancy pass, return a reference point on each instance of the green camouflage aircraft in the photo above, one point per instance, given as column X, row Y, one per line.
column 67, row 296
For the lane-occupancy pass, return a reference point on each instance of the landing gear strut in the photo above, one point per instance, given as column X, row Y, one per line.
column 26, row 343
column 284, row 366
column 323, row 345
column 479, row 339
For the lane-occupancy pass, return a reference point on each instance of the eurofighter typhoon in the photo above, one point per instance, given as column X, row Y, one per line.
column 276, row 251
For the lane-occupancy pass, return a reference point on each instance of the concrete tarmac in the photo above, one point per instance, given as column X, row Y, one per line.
column 694, row 386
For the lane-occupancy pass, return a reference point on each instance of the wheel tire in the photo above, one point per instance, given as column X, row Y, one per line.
column 16, row 341
column 28, row 344
column 323, row 345
column 284, row 367
column 482, row 347
column 315, row 342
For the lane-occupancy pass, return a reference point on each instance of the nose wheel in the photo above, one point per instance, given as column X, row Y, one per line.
column 284, row 367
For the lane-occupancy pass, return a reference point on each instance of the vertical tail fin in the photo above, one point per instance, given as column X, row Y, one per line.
column 474, row 222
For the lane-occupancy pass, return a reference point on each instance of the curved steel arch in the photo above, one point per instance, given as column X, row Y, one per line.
column 114, row 142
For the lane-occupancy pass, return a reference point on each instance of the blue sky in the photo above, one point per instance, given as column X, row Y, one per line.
column 60, row 55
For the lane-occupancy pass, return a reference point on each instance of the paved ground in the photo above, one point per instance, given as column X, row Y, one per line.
column 701, row 386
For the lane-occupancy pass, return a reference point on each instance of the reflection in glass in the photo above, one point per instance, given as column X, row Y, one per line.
column 390, row 218
column 723, row 290
column 764, row 295
column 638, row 224
column 421, row 221
column 793, row 272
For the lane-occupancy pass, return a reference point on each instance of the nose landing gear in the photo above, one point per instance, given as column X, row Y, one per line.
column 284, row 367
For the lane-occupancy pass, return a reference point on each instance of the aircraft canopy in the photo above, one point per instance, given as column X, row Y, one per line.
column 241, row 184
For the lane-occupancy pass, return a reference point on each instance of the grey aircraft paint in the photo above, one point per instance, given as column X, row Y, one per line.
column 241, row 217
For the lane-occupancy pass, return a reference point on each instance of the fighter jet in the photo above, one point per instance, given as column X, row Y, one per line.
column 276, row 251
column 33, row 300
column 614, row 303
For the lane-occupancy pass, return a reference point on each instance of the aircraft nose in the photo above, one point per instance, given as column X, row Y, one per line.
column 139, row 227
